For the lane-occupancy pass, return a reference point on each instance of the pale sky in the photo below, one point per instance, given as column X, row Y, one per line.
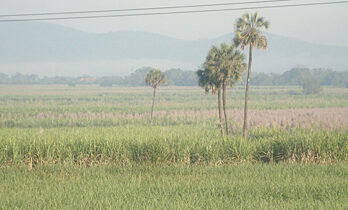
column 326, row 24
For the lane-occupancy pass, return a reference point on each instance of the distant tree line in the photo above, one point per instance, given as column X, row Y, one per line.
column 177, row 77
column 299, row 75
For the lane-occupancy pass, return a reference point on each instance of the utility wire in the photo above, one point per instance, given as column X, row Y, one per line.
column 176, row 12
column 144, row 9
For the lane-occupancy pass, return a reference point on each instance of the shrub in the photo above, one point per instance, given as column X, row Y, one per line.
column 311, row 86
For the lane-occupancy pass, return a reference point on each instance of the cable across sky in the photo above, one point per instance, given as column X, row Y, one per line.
column 164, row 13
column 144, row 8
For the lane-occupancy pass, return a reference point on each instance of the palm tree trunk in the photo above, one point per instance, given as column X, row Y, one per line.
column 247, row 92
column 220, row 113
column 153, row 103
column 224, row 106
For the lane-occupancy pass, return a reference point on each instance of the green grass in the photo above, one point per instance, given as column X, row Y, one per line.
column 171, row 144
column 90, row 147
column 255, row 186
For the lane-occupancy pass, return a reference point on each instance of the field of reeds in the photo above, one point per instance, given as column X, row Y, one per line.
column 76, row 135
column 87, row 106
column 41, row 124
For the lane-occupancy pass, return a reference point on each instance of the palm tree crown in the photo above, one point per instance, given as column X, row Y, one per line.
column 155, row 77
column 211, row 76
column 248, row 31
column 233, row 65
column 223, row 65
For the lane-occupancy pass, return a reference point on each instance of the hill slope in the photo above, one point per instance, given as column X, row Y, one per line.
column 42, row 48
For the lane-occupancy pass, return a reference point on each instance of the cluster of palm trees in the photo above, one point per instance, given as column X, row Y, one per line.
column 224, row 66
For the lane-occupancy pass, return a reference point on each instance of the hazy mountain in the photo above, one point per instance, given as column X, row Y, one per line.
column 49, row 49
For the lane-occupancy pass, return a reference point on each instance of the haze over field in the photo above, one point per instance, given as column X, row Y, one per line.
column 148, row 105
column 50, row 49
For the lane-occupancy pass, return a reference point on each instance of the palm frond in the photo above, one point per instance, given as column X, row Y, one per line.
column 248, row 31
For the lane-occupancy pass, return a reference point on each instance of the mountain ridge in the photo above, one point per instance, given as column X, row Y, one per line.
column 68, row 50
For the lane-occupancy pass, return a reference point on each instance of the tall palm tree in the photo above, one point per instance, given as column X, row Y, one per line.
column 232, row 70
column 248, row 33
column 223, row 66
column 210, row 77
column 154, row 78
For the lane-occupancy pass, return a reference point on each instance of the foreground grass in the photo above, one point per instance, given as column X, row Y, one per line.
column 169, row 144
column 252, row 186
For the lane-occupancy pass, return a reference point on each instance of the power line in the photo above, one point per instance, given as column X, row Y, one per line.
column 144, row 9
column 176, row 12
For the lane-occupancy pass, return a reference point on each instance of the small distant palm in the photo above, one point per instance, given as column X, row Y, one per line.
column 248, row 33
column 155, row 78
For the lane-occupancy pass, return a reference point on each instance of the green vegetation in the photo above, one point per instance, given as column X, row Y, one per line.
column 96, row 124
column 311, row 86
column 92, row 147
column 168, row 144
column 144, row 186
